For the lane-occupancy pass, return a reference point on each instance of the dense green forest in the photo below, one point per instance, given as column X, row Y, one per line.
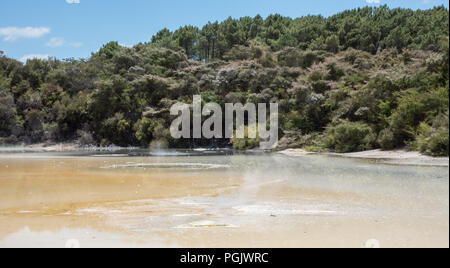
column 366, row 78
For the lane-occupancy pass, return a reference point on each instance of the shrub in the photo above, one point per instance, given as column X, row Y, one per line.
column 34, row 127
column 235, row 97
column 267, row 60
column 316, row 76
column 350, row 137
column 7, row 112
column 307, row 59
column 143, row 129
column 297, row 121
column 70, row 114
column 332, row 44
column 320, row 86
column 289, row 57
column 240, row 53
column 434, row 140
column 386, row 139
column 246, row 142
column 292, row 57
column 416, row 107
column 51, row 131
column 117, row 130
column 437, row 144
column 150, row 130
column 314, row 98
column 356, row 79
column 334, row 73
column 85, row 138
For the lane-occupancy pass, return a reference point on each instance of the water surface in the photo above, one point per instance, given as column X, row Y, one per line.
column 218, row 199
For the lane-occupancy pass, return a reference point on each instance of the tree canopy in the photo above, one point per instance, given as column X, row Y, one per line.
column 367, row 29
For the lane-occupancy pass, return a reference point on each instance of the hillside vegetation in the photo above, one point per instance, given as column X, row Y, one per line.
column 362, row 79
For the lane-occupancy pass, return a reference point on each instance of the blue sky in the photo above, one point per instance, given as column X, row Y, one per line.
column 75, row 28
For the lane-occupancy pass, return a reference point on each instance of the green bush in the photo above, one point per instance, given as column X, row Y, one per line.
column 350, row 137
column 434, row 140
column 332, row 44
column 34, row 125
column 292, row 57
column 245, row 143
column 334, row 73
column 152, row 130
column 240, row 53
column 386, row 139
column 437, row 143
column 415, row 107
column 320, row 86
column 7, row 112
column 316, row 76
column 116, row 130
column 70, row 114
column 297, row 121
column 356, row 79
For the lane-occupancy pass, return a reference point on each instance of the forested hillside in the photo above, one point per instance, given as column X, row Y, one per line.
column 362, row 79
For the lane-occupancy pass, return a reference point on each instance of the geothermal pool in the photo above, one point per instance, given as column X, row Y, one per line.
column 218, row 199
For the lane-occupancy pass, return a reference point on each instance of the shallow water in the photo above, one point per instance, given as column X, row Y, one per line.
column 218, row 199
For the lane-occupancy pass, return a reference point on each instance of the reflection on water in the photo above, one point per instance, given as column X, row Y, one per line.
column 217, row 198
column 182, row 166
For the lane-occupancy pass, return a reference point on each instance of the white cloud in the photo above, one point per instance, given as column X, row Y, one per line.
column 59, row 42
column 73, row 1
column 34, row 56
column 13, row 33
column 56, row 42
column 76, row 44
column 373, row 1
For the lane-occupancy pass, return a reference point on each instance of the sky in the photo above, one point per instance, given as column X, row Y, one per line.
column 76, row 28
